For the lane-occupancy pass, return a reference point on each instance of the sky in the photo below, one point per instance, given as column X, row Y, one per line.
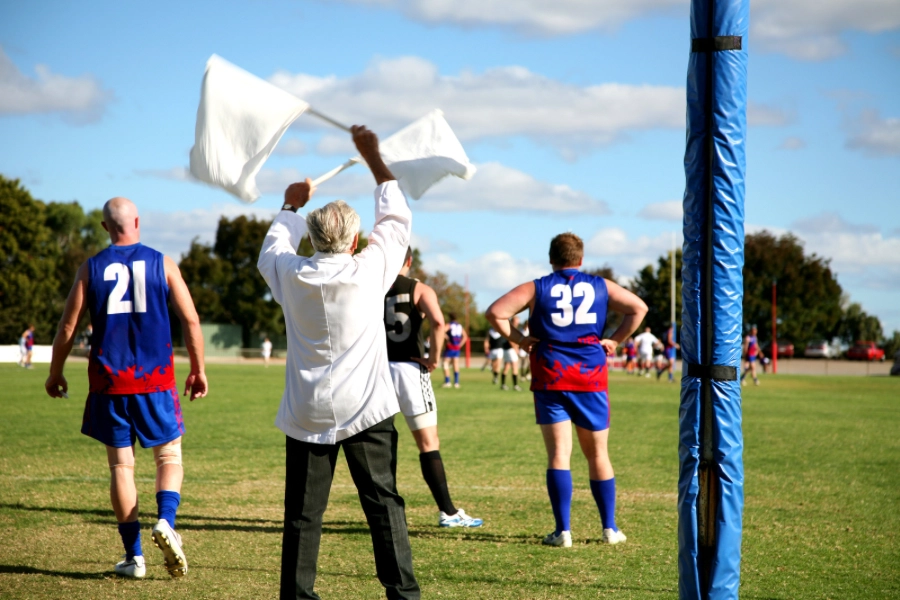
column 573, row 112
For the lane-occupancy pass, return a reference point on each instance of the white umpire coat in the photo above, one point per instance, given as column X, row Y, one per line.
column 337, row 382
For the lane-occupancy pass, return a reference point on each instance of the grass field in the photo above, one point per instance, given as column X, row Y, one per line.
column 822, row 513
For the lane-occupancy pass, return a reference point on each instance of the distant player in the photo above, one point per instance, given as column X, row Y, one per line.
column 645, row 343
column 524, row 362
column 669, row 349
column 404, row 306
column 569, row 373
column 511, row 360
column 456, row 338
column 752, row 353
column 493, row 347
column 26, row 347
column 133, row 393
column 630, row 355
column 266, row 351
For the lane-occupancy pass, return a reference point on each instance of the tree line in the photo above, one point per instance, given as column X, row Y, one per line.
column 42, row 245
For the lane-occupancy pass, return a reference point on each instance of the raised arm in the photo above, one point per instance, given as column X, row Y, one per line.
column 183, row 305
column 284, row 234
column 393, row 220
column 426, row 302
column 56, row 384
column 506, row 307
column 633, row 308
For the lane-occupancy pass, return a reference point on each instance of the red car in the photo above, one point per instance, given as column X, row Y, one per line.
column 785, row 349
column 865, row 351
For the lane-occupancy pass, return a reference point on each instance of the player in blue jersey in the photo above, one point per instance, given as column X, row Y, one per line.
column 752, row 353
column 133, row 394
column 569, row 373
column 670, row 353
column 456, row 337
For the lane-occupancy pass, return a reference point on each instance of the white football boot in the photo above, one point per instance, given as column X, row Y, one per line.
column 167, row 540
column 564, row 539
column 613, row 536
column 134, row 568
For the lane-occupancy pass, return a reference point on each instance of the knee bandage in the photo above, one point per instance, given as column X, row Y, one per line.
column 167, row 454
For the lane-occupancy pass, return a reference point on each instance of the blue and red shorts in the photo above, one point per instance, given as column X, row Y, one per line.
column 448, row 353
column 751, row 358
column 118, row 419
column 670, row 353
column 588, row 410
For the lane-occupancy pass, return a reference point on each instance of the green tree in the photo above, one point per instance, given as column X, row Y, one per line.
column 29, row 290
column 653, row 286
column 892, row 345
column 808, row 294
column 856, row 324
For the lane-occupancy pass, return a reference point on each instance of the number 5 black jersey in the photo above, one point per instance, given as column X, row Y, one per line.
column 403, row 322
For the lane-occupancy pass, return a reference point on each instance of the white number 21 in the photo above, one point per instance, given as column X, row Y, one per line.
column 582, row 316
column 119, row 273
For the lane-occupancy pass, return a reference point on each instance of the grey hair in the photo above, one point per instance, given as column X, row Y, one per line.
column 332, row 227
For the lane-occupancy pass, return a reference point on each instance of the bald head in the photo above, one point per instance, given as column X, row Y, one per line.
column 120, row 219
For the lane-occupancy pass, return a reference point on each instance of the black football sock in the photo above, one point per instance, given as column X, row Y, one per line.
column 503, row 379
column 515, row 380
column 436, row 478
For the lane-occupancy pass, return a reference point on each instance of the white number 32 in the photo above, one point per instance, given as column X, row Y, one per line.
column 582, row 316
column 119, row 273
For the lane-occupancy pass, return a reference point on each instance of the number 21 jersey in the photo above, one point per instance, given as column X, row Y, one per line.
column 569, row 318
column 132, row 343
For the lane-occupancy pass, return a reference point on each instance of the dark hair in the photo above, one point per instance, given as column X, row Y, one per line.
column 566, row 250
column 452, row 316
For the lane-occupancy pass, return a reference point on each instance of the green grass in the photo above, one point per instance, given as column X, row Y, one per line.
column 822, row 508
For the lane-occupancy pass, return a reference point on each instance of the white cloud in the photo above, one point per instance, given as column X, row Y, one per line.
column 171, row 232
column 803, row 29
column 810, row 29
column 853, row 247
column 874, row 135
column 332, row 144
column 792, row 143
column 499, row 102
column 672, row 210
column 530, row 17
column 627, row 255
column 425, row 244
column 490, row 275
column 498, row 187
column 290, row 147
column 78, row 99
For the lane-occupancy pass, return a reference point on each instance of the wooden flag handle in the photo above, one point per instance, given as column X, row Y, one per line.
column 327, row 119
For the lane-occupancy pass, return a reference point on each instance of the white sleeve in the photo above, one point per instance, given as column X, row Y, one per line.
column 283, row 237
column 390, row 237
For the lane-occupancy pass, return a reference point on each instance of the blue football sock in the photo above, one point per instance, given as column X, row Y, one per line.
column 456, row 377
column 446, row 379
column 605, row 496
column 167, row 503
column 131, row 539
column 559, row 487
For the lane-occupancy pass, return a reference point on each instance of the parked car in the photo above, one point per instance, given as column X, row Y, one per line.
column 818, row 349
column 865, row 351
column 785, row 349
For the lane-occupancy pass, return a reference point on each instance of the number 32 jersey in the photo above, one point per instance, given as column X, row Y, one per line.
column 132, row 343
column 569, row 318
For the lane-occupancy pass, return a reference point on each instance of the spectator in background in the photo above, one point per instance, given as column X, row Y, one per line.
column 266, row 351
column 26, row 347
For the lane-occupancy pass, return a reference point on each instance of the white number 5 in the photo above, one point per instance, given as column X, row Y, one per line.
column 119, row 273
column 582, row 316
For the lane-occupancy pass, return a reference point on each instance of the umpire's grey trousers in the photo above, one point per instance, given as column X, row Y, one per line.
column 372, row 458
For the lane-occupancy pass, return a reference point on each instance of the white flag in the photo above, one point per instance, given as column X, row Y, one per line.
column 419, row 155
column 423, row 153
column 239, row 121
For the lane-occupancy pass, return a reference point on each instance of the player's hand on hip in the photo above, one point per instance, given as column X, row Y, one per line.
column 298, row 194
column 57, row 386
column 196, row 385
column 428, row 363
column 527, row 343
column 609, row 345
